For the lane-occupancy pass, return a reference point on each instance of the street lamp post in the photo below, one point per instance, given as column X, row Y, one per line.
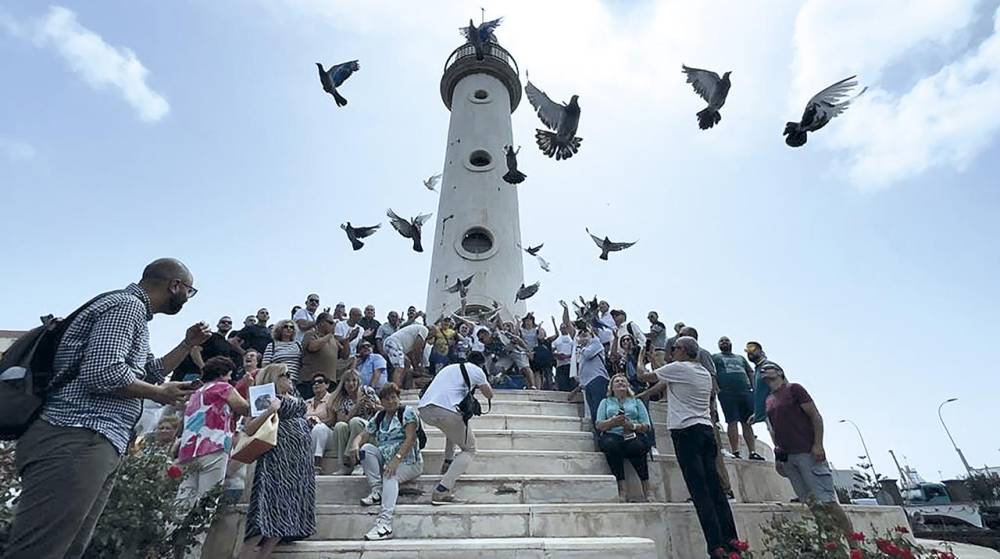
column 965, row 462
column 864, row 445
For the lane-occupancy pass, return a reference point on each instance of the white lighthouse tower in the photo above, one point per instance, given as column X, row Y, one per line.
column 478, row 229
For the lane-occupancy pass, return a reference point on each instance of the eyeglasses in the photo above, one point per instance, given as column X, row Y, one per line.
column 312, row 301
column 191, row 290
column 225, row 322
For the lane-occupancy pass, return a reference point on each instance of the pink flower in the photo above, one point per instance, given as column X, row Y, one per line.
column 857, row 536
column 902, row 529
column 830, row 546
column 174, row 472
column 740, row 545
column 857, row 554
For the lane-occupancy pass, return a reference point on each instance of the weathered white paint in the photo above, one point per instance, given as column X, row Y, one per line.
column 477, row 197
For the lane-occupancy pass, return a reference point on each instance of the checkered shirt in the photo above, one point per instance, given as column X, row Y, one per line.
column 108, row 345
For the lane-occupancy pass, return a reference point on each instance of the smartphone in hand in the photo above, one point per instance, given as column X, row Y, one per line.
column 195, row 384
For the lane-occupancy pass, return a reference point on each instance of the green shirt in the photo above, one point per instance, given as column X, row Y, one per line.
column 389, row 435
column 733, row 373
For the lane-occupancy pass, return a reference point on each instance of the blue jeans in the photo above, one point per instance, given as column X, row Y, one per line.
column 596, row 391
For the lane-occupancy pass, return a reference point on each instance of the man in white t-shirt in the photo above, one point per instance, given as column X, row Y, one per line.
column 607, row 332
column 305, row 318
column 689, row 392
column 562, row 349
column 439, row 407
column 408, row 341
column 350, row 332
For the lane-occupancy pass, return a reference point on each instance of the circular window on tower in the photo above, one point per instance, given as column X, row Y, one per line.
column 480, row 96
column 476, row 244
column 479, row 161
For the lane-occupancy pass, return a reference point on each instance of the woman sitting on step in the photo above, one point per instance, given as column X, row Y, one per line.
column 389, row 455
column 351, row 408
column 621, row 421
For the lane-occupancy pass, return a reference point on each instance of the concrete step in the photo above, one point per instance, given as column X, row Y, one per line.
column 519, row 439
column 522, row 407
column 480, row 489
column 551, row 462
column 479, row 548
column 674, row 526
column 523, row 395
column 530, row 422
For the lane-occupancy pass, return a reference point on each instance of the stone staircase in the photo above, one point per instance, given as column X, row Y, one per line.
column 539, row 489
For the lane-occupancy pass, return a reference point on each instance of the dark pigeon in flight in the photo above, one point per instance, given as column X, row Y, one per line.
column 513, row 176
column 409, row 229
column 354, row 234
column 821, row 109
column 563, row 119
column 607, row 246
column 478, row 36
column 526, row 292
column 335, row 77
column 712, row 89
column 461, row 286
column 534, row 250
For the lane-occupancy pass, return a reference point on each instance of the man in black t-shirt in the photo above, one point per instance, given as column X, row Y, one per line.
column 256, row 336
column 368, row 322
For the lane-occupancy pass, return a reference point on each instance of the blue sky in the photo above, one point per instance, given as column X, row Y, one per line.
column 865, row 262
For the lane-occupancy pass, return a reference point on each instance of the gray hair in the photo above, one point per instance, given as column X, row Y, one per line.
column 689, row 345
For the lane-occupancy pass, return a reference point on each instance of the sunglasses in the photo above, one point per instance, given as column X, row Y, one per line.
column 288, row 327
column 312, row 301
column 319, row 381
column 225, row 322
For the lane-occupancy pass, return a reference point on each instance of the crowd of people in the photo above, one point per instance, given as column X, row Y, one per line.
column 338, row 377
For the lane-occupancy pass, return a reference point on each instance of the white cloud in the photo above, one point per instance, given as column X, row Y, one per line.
column 99, row 64
column 16, row 150
column 945, row 119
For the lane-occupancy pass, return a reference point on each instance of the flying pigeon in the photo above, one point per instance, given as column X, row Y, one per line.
column 335, row 76
column 526, row 292
column 409, row 229
column 821, row 109
column 513, row 176
column 543, row 264
column 356, row 233
column 480, row 35
column 712, row 89
column 534, row 250
column 562, row 118
column 607, row 246
column 461, row 286
column 432, row 181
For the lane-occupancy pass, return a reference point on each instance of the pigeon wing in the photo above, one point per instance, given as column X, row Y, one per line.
column 833, row 100
column 342, row 71
column 400, row 224
column 597, row 240
column 421, row 219
column 362, row 232
column 704, row 82
column 550, row 112
column 620, row 246
column 432, row 180
column 454, row 288
column 486, row 29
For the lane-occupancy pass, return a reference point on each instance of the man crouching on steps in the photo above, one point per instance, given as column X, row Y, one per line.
column 439, row 407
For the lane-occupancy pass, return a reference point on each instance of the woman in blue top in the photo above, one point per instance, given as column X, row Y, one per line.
column 620, row 419
column 389, row 455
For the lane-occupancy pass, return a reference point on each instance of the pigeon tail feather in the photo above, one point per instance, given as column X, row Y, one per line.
column 552, row 146
column 708, row 118
column 416, row 245
column 514, row 177
column 357, row 244
column 604, row 255
column 341, row 101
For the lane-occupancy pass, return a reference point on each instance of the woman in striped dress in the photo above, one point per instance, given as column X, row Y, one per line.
column 283, row 499
column 284, row 349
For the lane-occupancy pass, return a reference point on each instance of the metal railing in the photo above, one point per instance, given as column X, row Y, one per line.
column 490, row 50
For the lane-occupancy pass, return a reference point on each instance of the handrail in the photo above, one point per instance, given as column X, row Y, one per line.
column 490, row 49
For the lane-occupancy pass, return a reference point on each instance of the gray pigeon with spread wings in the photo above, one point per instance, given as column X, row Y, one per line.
column 543, row 264
column 526, row 292
column 562, row 119
column 534, row 250
column 607, row 246
column 355, row 234
column 409, row 229
column 712, row 89
column 478, row 36
column 461, row 286
column 821, row 109
column 335, row 77
column 432, row 181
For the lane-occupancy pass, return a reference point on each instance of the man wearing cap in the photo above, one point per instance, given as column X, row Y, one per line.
column 689, row 392
column 797, row 431
column 735, row 376
column 755, row 353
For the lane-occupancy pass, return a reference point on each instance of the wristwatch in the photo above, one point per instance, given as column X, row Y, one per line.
column 399, row 456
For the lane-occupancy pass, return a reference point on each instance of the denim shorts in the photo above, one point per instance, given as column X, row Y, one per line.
column 810, row 480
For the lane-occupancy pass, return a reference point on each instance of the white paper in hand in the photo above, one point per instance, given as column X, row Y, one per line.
column 260, row 398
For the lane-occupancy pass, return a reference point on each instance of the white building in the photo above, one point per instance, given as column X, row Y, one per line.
column 477, row 222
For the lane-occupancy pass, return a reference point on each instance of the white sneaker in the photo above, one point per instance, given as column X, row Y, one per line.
column 382, row 530
column 373, row 498
column 654, row 452
column 727, row 454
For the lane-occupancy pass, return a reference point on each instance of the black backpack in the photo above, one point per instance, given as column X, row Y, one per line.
column 26, row 373
column 421, row 436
